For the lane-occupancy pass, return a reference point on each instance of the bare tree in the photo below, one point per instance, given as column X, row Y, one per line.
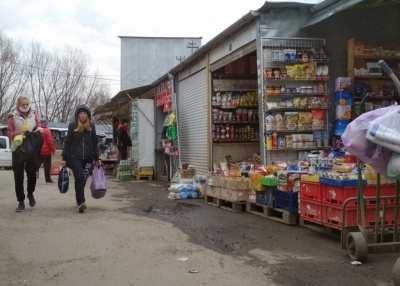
column 61, row 81
column 56, row 81
column 12, row 76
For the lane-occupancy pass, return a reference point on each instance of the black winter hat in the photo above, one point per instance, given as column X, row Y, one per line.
column 82, row 108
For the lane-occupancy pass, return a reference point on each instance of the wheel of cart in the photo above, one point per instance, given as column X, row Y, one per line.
column 379, row 235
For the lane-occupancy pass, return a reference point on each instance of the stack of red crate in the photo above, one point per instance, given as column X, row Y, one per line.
column 310, row 201
column 323, row 204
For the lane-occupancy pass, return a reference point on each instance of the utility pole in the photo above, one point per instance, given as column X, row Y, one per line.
column 192, row 46
column 180, row 59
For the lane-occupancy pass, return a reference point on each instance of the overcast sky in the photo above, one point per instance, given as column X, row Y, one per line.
column 94, row 25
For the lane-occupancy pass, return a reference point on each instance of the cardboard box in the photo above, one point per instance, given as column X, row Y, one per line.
column 238, row 183
column 189, row 171
column 234, row 195
column 213, row 191
column 212, row 181
column 222, row 181
column 187, row 176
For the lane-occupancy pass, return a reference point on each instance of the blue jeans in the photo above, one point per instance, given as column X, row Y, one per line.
column 81, row 169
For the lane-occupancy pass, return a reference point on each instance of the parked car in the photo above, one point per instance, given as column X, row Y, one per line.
column 5, row 153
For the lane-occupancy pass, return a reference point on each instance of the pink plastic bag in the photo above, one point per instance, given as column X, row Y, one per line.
column 98, row 186
column 357, row 144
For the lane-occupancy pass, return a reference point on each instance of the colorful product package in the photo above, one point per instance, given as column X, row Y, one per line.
column 318, row 119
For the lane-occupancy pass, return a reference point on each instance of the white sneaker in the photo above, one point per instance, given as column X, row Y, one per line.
column 82, row 207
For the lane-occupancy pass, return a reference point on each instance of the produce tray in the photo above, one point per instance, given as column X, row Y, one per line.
column 340, row 183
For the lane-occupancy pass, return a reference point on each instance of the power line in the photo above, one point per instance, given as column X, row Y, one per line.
column 66, row 74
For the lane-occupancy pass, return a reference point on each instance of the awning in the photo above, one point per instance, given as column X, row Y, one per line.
column 123, row 97
column 330, row 7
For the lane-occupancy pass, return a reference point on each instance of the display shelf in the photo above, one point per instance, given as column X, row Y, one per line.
column 235, row 140
column 291, row 149
column 234, row 113
column 234, row 107
column 298, row 79
column 377, row 57
column 295, row 94
column 235, row 122
column 367, row 78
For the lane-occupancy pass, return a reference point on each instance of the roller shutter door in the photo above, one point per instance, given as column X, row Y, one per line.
column 192, row 121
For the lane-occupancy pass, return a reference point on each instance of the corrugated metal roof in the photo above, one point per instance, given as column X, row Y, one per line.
column 121, row 98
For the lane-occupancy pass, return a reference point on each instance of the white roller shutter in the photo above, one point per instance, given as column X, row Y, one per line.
column 192, row 121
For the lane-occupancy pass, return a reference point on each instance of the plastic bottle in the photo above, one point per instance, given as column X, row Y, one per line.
column 270, row 122
column 268, row 139
column 279, row 122
column 274, row 139
column 281, row 141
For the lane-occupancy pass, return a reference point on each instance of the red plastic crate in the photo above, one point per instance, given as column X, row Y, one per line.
column 385, row 190
column 332, row 216
column 310, row 190
column 337, row 195
column 310, row 210
column 389, row 216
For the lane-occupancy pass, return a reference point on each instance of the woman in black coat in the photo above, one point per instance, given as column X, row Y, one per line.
column 80, row 151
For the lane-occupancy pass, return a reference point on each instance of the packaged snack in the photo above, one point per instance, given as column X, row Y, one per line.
column 271, row 104
column 289, row 102
column 299, row 71
column 303, row 102
column 268, row 73
column 304, row 122
column 343, row 98
column 318, row 119
column 290, row 71
column 291, row 120
column 308, row 71
column 343, row 112
column 296, row 102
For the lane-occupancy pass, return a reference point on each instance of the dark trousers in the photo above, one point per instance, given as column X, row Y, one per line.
column 81, row 170
column 168, row 166
column 123, row 152
column 46, row 161
column 30, row 167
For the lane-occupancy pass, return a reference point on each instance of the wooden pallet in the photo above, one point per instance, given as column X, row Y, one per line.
column 233, row 206
column 143, row 177
column 276, row 214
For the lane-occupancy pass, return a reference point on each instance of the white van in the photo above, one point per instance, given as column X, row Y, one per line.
column 5, row 153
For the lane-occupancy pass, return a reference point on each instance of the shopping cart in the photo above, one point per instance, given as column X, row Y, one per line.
column 373, row 235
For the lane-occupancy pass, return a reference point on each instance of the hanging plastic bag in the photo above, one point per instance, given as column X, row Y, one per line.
column 172, row 132
column 63, row 180
column 385, row 130
column 355, row 141
column 393, row 168
column 98, row 186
